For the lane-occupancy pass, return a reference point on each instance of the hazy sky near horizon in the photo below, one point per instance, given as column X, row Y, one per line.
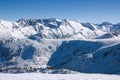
column 95, row 11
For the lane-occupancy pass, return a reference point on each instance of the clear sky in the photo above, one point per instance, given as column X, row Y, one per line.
column 85, row 10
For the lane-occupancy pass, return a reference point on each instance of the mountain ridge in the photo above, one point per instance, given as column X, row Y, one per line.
column 52, row 45
column 54, row 28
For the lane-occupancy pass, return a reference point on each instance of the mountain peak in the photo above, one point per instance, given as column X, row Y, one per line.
column 105, row 23
column 33, row 22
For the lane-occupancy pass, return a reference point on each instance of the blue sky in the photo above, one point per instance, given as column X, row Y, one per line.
column 95, row 11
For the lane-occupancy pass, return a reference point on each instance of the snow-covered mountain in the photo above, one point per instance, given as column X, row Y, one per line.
column 52, row 45
column 110, row 35
column 53, row 28
column 50, row 29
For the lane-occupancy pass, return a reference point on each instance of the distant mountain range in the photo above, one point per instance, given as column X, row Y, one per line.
column 59, row 46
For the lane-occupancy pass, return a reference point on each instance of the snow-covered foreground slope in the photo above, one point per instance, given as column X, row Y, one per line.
column 38, row 76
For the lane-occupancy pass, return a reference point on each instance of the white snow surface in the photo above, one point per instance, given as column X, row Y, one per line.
column 39, row 76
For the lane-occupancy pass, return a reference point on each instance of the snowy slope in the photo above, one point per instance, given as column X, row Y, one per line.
column 8, row 30
column 38, row 76
column 92, row 56
column 108, row 35
column 77, row 55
